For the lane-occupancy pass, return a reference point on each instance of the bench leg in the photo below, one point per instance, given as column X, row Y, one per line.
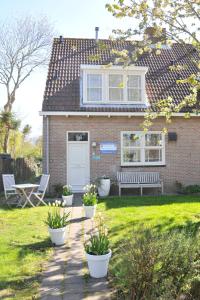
column 119, row 190
column 162, row 188
column 141, row 191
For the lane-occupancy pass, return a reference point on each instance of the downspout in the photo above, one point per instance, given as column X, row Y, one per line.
column 47, row 145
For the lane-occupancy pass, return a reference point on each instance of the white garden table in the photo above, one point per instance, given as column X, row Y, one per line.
column 25, row 191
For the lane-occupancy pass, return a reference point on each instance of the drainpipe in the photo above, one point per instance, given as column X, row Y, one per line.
column 47, row 148
column 47, row 144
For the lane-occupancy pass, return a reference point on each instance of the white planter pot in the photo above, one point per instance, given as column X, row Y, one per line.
column 104, row 187
column 90, row 211
column 67, row 200
column 58, row 236
column 98, row 264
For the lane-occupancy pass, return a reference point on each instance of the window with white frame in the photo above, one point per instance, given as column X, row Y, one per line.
column 139, row 148
column 94, row 87
column 134, row 88
column 116, row 87
column 113, row 85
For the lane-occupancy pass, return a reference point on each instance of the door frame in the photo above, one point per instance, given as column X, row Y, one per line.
column 67, row 156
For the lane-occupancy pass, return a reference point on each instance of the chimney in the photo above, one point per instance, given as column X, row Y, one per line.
column 96, row 33
column 156, row 35
column 60, row 39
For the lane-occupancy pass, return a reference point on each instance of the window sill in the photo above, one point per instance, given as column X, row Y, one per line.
column 115, row 103
column 143, row 166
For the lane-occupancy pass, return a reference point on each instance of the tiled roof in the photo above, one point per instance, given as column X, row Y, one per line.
column 62, row 92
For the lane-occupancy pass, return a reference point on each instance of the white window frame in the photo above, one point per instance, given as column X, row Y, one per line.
column 121, row 88
column 133, row 88
column 106, row 71
column 142, row 149
column 99, row 101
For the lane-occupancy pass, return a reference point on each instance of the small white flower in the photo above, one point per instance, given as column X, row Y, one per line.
column 106, row 231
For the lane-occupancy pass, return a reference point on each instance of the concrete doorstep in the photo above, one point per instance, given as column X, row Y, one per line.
column 66, row 276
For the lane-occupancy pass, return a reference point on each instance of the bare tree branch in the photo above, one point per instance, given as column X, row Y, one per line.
column 24, row 46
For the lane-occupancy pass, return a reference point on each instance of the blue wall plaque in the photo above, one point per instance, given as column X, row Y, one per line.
column 108, row 148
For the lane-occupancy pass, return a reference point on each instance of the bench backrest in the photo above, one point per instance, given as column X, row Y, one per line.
column 138, row 177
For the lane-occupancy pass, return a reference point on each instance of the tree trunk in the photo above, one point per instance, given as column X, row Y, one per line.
column 7, row 107
column 6, row 140
column 10, row 101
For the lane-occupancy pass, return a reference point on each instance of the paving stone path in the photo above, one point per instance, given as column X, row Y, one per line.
column 66, row 276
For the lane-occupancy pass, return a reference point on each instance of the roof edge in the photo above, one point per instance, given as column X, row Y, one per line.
column 105, row 114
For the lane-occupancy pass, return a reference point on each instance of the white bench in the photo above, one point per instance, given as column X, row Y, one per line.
column 139, row 180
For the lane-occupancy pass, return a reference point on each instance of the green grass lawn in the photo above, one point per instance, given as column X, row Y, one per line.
column 125, row 215
column 24, row 247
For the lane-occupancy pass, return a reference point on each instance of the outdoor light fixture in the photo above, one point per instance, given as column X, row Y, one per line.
column 94, row 145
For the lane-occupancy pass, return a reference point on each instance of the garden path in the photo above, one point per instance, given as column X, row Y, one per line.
column 66, row 276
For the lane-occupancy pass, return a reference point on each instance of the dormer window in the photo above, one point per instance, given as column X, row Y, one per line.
column 113, row 85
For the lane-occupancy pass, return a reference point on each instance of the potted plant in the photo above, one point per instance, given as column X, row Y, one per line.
column 57, row 222
column 67, row 195
column 90, row 200
column 97, row 251
column 103, row 184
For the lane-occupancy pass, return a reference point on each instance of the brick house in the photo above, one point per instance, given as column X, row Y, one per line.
column 92, row 113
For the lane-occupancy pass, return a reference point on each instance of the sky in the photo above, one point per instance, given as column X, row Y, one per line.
column 71, row 18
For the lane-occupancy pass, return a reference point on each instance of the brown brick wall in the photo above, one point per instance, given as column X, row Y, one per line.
column 182, row 156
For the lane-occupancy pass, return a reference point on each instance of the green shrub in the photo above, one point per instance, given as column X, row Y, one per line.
column 58, row 189
column 191, row 189
column 159, row 267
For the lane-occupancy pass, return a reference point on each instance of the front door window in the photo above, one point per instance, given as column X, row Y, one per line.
column 77, row 136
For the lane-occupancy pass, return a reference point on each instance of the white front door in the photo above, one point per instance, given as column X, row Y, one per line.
column 78, row 164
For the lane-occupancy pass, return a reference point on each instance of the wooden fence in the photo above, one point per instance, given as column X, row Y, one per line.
column 24, row 169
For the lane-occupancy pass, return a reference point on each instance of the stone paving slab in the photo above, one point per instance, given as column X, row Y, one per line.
column 99, row 296
column 53, row 276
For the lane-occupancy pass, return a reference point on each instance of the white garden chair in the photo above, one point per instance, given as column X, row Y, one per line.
column 9, row 191
column 39, row 195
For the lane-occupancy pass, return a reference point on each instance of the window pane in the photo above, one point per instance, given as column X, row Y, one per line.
column 116, row 80
column 131, row 155
column 77, row 136
column 153, row 139
column 115, row 94
column 131, row 139
column 153, row 155
column 94, row 94
column 94, row 87
column 134, row 95
column 134, row 81
column 94, row 80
